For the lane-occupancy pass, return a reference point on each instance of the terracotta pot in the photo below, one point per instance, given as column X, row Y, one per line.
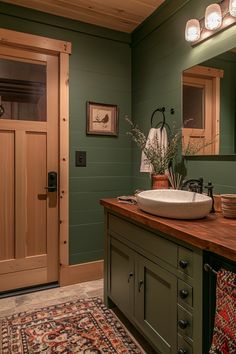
column 160, row 182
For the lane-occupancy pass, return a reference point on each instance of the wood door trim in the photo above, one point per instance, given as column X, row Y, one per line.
column 64, row 160
column 37, row 43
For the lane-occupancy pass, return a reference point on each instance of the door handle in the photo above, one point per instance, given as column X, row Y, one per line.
column 52, row 182
column 140, row 284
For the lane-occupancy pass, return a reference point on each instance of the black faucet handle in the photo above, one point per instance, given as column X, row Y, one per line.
column 209, row 188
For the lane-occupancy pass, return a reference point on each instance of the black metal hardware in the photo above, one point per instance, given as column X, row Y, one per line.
column 80, row 158
column 209, row 188
column 208, row 268
column 183, row 324
column 162, row 123
column 52, row 182
column 140, row 284
column 183, row 264
column 183, row 293
column 194, row 185
column 2, row 110
column 130, row 276
column 182, row 351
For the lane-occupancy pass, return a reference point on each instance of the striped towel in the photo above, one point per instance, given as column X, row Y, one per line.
column 224, row 334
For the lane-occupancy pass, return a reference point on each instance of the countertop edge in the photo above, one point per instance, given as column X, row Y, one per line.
column 163, row 225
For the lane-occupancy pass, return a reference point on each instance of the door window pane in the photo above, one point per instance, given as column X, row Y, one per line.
column 22, row 91
column 193, row 105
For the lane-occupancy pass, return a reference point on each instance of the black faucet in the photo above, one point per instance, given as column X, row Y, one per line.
column 193, row 184
column 209, row 188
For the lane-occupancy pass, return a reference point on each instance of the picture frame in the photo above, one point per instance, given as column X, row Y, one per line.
column 102, row 119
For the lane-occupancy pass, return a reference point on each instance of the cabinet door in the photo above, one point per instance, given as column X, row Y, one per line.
column 156, row 304
column 121, row 276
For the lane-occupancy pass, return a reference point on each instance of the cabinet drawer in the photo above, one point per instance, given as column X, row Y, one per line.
column 185, row 322
column 148, row 241
column 182, row 344
column 185, row 293
column 185, row 260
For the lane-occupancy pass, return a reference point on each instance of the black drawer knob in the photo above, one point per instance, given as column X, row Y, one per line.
column 183, row 293
column 183, row 324
column 183, row 264
column 182, row 351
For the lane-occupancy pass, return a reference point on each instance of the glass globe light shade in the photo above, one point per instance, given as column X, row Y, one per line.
column 213, row 17
column 232, row 8
column 192, row 30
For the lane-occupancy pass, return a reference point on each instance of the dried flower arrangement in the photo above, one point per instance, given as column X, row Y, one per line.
column 160, row 158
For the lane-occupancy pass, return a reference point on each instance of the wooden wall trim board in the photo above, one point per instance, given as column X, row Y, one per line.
column 64, row 160
column 80, row 273
column 38, row 43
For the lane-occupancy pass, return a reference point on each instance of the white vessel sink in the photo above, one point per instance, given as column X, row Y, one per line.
column 175, row 204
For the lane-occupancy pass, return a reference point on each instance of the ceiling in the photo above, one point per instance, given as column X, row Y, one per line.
column 120, row 15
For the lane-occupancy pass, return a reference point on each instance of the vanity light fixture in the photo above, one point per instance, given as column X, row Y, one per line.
column 232, row 7
column 192, row 30
column 213, row 17
column 218, row 16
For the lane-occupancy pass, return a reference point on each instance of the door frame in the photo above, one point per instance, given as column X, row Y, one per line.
column 61, row 49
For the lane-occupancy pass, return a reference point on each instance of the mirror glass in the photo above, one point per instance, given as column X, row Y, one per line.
column 209, row 106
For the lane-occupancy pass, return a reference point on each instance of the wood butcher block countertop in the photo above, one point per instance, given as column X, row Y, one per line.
column 213, row 233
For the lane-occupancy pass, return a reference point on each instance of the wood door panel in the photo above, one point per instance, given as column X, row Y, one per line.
column 36, row 171
column 24, row 278
column 7, row 194
column 17, row 265
column 8, row 124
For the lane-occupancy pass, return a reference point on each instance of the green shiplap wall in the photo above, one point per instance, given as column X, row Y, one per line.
column 100, row 71
column 159, row 55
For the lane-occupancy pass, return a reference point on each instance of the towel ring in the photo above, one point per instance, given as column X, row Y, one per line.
column 163, row 122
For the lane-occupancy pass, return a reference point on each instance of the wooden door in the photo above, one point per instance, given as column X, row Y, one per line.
column 28, row 151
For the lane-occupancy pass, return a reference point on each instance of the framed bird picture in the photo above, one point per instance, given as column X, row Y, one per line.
column 102, row 119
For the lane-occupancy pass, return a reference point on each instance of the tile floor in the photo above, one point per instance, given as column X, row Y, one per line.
column 32, row 301
column 48, row 297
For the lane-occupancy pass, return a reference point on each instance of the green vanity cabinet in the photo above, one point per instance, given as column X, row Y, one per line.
column 156, row 282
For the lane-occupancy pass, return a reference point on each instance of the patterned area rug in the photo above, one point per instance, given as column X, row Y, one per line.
column 84, row 326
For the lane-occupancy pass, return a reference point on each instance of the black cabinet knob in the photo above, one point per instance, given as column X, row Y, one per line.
column 182, row 351
column 183, row 264
column 130, row 276
column 183, row 293
column 183, row 324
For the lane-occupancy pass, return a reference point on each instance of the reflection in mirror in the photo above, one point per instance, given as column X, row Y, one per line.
column 209, row 106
